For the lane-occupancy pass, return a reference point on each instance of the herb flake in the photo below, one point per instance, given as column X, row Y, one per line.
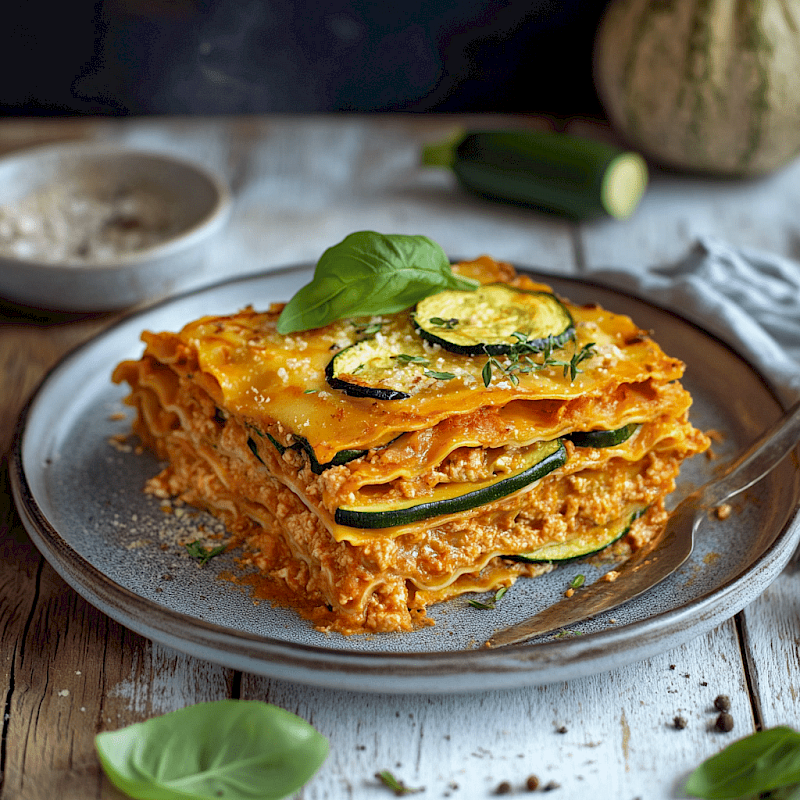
column 397, row 786
column 440, row 376
column 492, row 604
column 408, row 359
column 447, row 324
column 202, row 554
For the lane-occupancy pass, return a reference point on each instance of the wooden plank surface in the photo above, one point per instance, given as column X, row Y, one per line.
column 301, row 184
column 606, row 734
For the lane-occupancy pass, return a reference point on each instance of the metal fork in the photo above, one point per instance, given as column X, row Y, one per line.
column 660, row 558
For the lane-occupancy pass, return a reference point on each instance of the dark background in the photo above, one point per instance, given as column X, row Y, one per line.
column 133, row 57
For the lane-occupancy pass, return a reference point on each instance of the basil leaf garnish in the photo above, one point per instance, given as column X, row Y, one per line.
column 236, row 749
column 370, row 273
column 769, row 759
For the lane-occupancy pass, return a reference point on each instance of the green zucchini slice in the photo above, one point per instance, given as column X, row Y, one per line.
column 342, row 457
column 372, row 368
column 281, row 448
column 494, row 319
column 602, row 438
column 451, row 498
column 597, row 539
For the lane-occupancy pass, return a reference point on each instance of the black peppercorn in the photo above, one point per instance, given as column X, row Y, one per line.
column 722, row 702
column 724, row 722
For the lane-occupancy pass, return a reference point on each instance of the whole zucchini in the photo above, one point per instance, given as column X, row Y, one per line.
column 555, row 172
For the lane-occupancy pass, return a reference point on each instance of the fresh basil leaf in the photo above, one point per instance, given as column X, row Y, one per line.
column 370, row 273
column 786, row 793
column 769, row 759
column 235, row 749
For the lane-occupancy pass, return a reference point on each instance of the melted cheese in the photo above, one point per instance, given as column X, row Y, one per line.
column 252, row 370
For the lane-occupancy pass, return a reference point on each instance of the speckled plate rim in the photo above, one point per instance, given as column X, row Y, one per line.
column 413, row 672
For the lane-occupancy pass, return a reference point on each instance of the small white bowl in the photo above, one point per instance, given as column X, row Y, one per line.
column 37, row 271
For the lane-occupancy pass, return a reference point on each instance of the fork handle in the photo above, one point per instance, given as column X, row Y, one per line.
column 755, row 462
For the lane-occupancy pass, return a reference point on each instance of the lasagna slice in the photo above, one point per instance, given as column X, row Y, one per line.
column 373, row 467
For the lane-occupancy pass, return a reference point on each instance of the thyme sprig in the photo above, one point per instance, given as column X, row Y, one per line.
column 424, row 362
column 520, row 360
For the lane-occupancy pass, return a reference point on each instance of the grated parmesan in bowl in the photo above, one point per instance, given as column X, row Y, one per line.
column 87, row 227
column 85, row 222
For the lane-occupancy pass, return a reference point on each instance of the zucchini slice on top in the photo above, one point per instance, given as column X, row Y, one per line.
column 452, row 498
column 495, row 319
column 595, row 540
column 386, row 367
column 368, row 369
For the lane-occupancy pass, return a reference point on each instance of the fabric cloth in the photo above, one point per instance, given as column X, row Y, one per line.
column 749, row 299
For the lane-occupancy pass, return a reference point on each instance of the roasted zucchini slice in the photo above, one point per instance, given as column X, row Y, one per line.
column 451, row 498
column 373, row 368
column 602, row 438
column 597, row 539
column 495, row 319
column 342, row 457
column 302, row 444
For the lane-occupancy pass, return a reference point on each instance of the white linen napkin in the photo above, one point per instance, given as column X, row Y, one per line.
column 749, row 299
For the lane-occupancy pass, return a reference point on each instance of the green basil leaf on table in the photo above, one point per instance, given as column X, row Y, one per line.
column 769, row 759
column 367, row 274
column 234, row 749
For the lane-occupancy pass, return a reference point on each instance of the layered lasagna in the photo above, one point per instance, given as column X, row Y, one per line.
column 375, row 466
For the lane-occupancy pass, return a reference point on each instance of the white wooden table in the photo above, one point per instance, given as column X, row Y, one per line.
column 302, row 184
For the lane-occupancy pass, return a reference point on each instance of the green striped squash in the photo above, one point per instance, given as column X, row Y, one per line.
column 703, row 85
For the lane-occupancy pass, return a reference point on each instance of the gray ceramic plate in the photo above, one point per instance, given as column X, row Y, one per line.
column 81, row 500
